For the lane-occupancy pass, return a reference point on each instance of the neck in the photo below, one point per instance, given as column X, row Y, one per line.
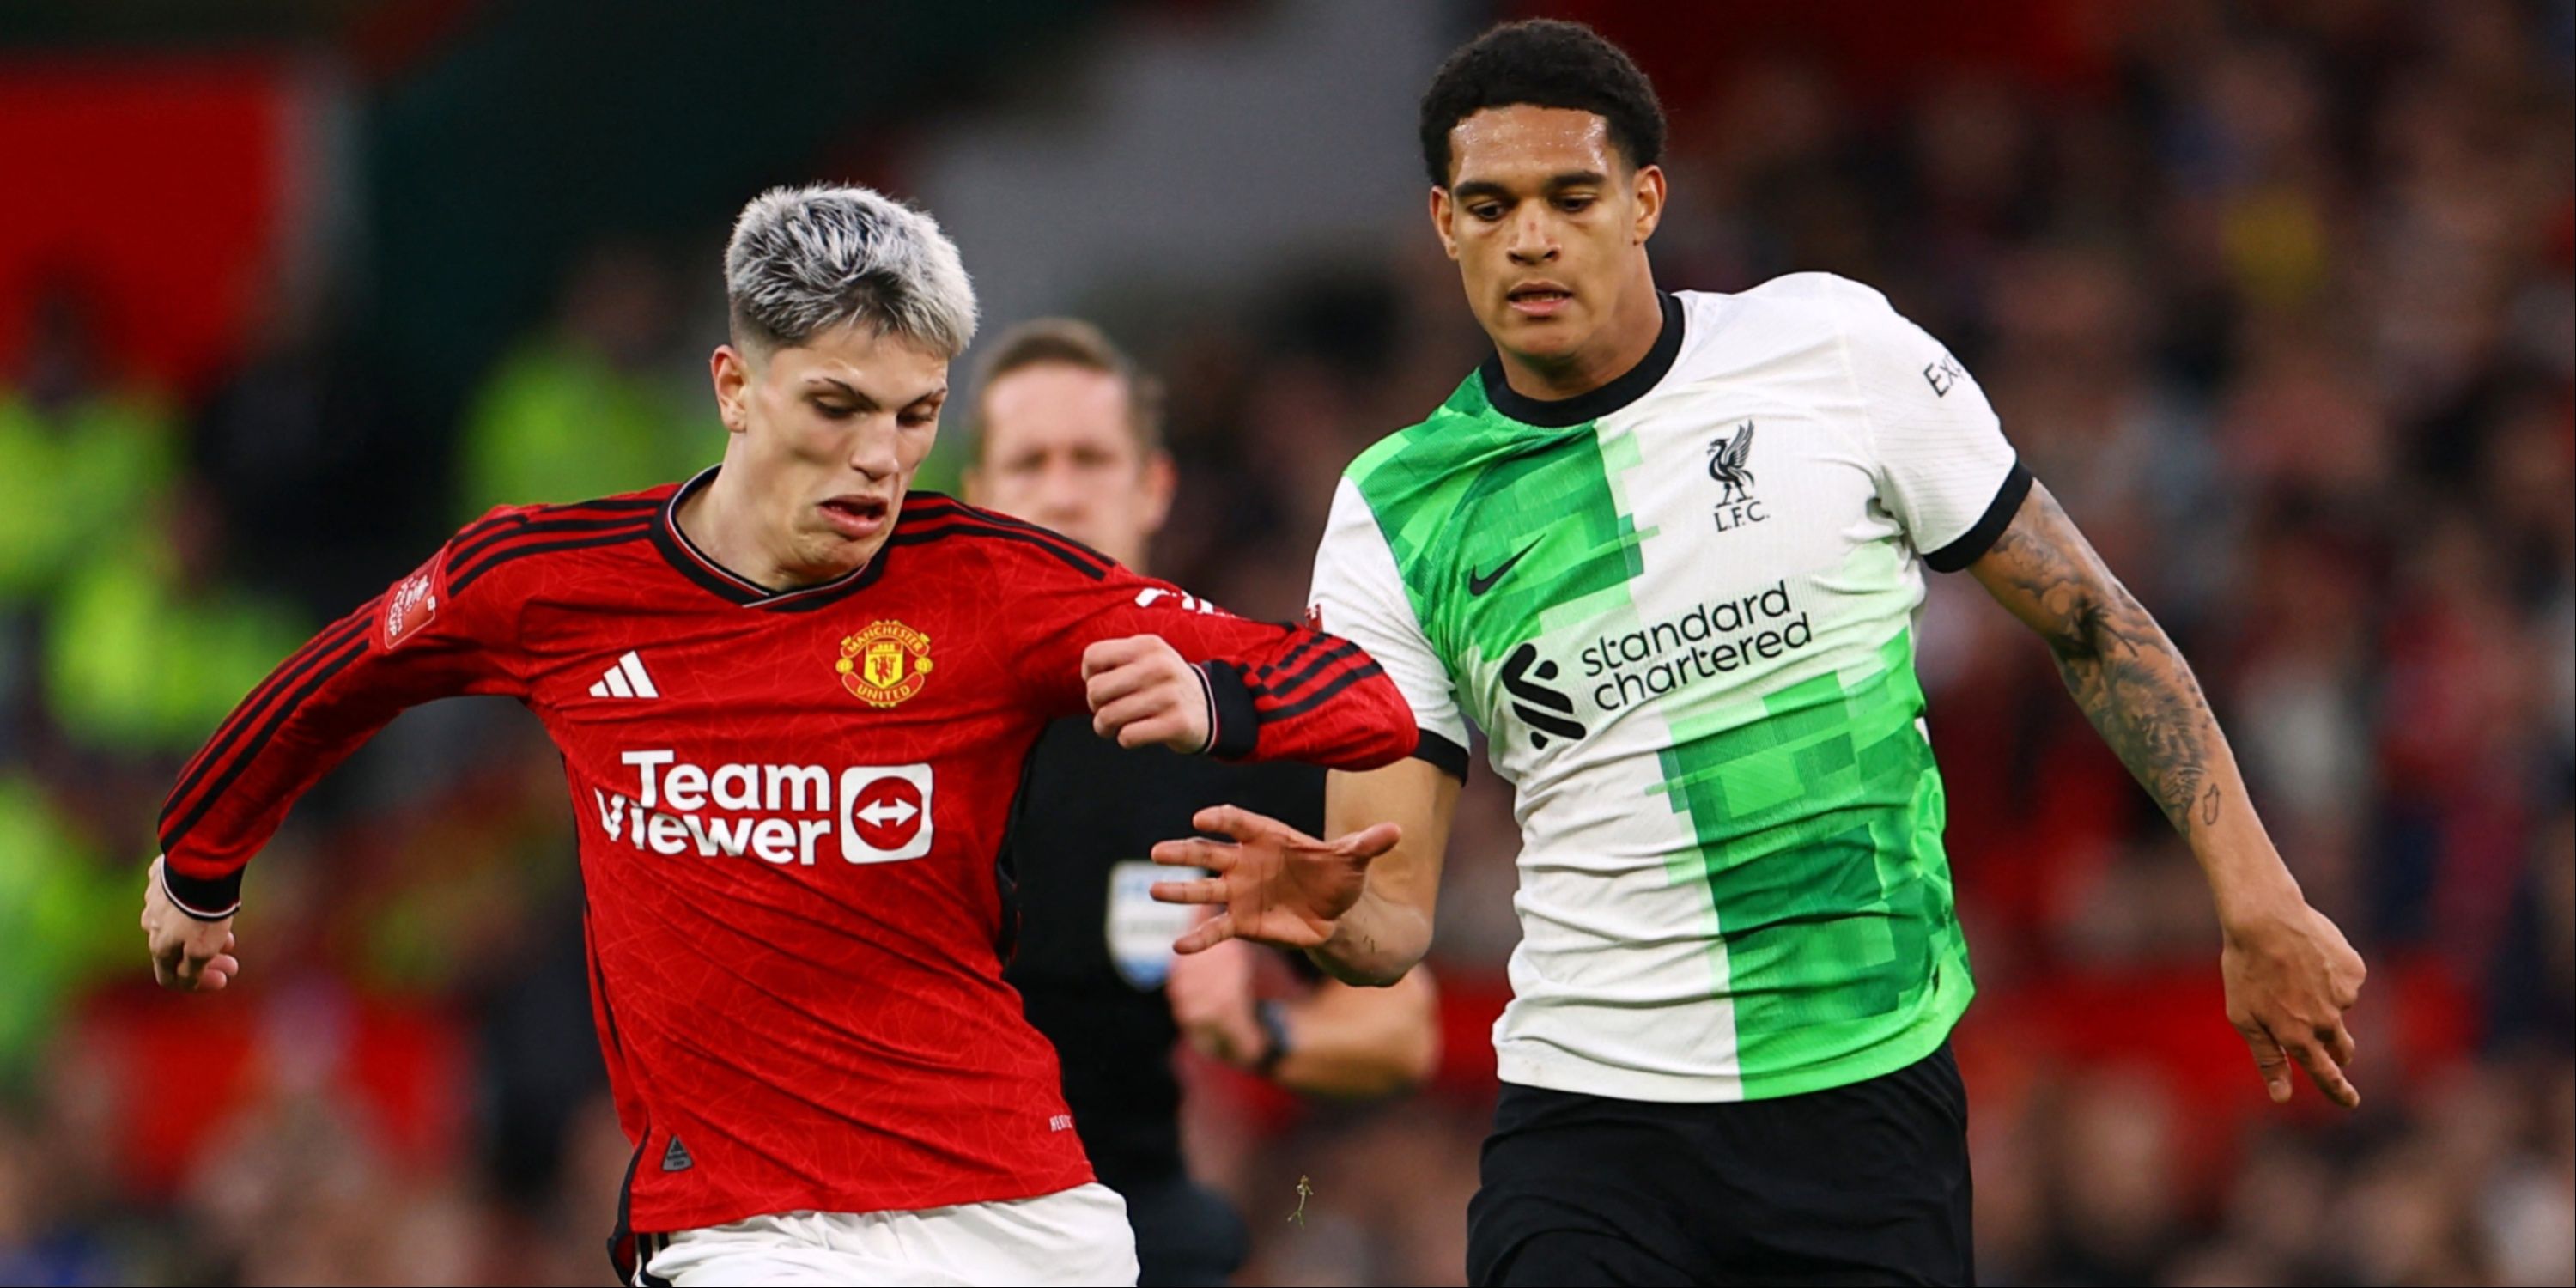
column 726, row 524
column 1612, row 352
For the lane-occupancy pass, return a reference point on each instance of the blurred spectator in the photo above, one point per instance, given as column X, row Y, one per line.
column 148, row 649
column 594, row 404
column 81, row 452
column 61, row 921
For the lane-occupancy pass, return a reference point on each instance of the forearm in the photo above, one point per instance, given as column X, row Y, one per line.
column 1270, row 692
column 1350, row 1042
column 284, row 734
column 1376, row 942
column 2135, row 687
column 1328, row 706
column 2289, row 973
column 2139, row 692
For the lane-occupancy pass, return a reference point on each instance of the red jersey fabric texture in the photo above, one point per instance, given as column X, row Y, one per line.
column 791, row 810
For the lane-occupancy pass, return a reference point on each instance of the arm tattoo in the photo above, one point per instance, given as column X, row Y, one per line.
column 2123, row 670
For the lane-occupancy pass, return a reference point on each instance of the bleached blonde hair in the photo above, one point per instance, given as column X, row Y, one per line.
column 806, row 260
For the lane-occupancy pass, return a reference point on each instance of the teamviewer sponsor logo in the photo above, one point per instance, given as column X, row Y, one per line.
column 885, row 813
column 779, row 814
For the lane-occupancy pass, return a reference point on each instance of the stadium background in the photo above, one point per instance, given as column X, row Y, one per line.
column 2277, row 296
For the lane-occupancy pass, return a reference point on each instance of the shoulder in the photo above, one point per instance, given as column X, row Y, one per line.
column 1820, row 323
column 521, row 538
column 1824, row 302
column 1827, row 303
column 955, row 530
column 1428, row 463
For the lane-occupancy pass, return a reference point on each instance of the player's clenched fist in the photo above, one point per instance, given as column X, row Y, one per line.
column 1143, row 694
column 186, row 953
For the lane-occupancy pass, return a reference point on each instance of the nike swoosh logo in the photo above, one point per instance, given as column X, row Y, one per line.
column 1478, row 585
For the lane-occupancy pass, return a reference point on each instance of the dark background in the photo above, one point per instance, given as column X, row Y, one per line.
column 2275, row 296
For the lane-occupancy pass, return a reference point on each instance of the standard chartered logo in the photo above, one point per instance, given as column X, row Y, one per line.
column 1547, row 711
column 1708, row 641
column 1655, row 659
column 774, row 813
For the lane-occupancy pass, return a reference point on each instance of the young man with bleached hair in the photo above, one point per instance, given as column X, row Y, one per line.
column 793, row 700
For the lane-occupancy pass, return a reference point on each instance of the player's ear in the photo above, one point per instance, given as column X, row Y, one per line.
column 1649, row 193
column 731, row 373
column 1440, row 207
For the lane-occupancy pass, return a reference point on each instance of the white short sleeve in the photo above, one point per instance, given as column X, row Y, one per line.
column 1359, row 595
column 1945, row 469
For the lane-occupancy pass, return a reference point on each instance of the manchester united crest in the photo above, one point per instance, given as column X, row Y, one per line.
column 884, row 664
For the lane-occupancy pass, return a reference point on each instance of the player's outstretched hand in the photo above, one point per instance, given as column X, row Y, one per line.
column 1272, row 883
column 2290, row 977
column 187, row 954
column 1143, row 693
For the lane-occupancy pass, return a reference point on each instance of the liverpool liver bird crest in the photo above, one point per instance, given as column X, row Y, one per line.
column 1726, row 463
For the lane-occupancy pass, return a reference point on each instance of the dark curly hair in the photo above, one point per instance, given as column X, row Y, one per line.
column 1542, row 62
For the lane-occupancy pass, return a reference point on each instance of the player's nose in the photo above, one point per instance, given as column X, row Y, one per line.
column 1061, row 495
column 1530, row 240
column 873, row 452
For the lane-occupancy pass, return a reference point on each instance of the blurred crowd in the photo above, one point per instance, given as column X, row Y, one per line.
column 2280, row 299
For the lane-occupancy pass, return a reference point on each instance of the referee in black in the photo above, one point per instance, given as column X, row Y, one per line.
column 1068, row 433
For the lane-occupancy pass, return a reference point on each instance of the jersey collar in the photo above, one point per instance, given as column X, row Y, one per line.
column 1562, row 413
column 696, row 565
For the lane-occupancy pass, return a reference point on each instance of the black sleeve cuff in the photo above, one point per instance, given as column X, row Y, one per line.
column 1446, row 756
column 1234, row 728
column 1974, row 543
column 204, row 900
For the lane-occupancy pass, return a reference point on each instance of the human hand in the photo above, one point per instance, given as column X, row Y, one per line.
column 2290, row 977
column 1270, row 882
column 188, row 954
column 1143, row 693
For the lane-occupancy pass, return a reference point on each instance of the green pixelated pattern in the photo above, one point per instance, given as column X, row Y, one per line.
column 1819, row 830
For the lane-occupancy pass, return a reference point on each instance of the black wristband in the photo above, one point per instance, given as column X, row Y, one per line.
column 1272, row 1016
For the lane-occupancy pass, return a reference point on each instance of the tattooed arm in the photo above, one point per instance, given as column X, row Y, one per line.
column 2290, row 975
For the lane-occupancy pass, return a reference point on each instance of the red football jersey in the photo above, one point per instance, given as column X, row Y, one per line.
column 791, row 811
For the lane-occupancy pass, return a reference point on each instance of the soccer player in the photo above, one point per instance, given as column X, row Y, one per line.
column 793, row 702
column 1068, row 433
column 1666, row 549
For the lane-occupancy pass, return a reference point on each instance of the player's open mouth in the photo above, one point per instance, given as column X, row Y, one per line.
column 1539, row 299
column 855, row 517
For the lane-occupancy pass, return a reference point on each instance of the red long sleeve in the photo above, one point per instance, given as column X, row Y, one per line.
column 429, row 636
column 1276, row 692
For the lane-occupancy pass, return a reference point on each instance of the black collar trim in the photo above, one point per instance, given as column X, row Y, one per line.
column 1562, row 413
column 695, row 564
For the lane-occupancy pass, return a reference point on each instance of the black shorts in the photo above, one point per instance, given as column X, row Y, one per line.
column 1864, row 1184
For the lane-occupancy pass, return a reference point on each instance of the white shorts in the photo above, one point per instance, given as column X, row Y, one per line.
column 1075, row 1236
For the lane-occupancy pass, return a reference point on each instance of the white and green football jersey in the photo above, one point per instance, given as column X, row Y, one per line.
column 1682, row 608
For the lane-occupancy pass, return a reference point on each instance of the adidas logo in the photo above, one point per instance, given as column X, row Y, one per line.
column 676, row 1158
column 626, row 680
